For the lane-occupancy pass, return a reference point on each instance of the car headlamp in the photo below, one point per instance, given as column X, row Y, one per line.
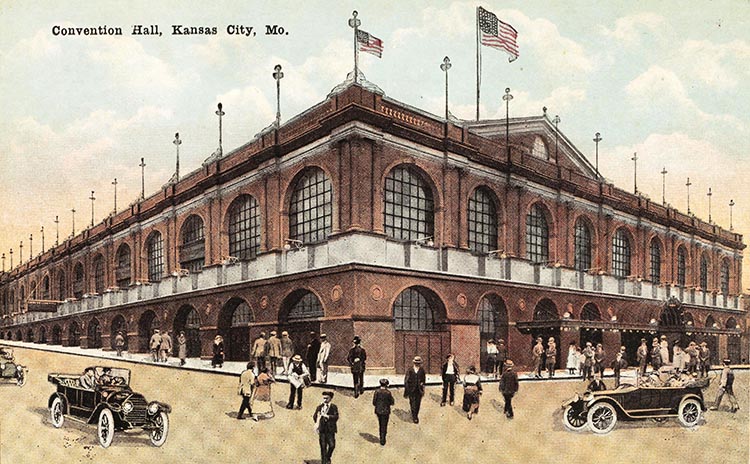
column 587, row 396
column 127, row 407
column 19, row 368
column 153, row 408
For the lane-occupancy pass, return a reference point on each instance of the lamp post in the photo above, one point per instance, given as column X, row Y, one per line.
column 635, row 173
column 220, row 113
column 278, row 75
column 664, row 185
column 507, row 98
column 177, row 142
column 688, row 184
column 445, row 66
column 731, row 205
column 556, row 121
column 709, row 195
column 597, row 139
column 92, row 198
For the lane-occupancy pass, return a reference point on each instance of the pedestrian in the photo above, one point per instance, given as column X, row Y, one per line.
column 551, row 357
column 678, row 358
column 726, row 386
column 154, row 344
column 619, row 364
column 119, row 343
column 588, row 361
column 263, row 394
column 299, row 378
column 597, row 384
column 287, row 351
column 472, row 392
column 449, row 374
column 572, row 361
column 642, row 357
column 218, row 352
column 260, row 350
column 664, row 350
column 311, row 355
column 182, row 347
column 502, row 356
column 414, row 382
column 704, row 357
column 693, row 352
column 536, row 353
column 656, row 362
column 322, row 362
column 325, row 417
column 492, row 351
column 383, row 400
column 509, row 387
column 274, row 353
column 357, row 358
column 599, row 357
column 166, row 346
column 246, row 391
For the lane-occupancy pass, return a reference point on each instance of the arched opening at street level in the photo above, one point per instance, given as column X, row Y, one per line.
column 300, row 315
column 94, row 334
column 42, row 335
column 733, row 342
column 493, row 325
column 30, row 336
column 712, row 341
column 234, row 326
column 118, row 325
column 547, row 318
column 56, row 335
column 188, row 320
column 419, row 322
column 74, row 334
column 590, row 312
column 147, row 323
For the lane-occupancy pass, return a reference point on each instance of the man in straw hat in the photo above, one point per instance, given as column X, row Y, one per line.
column 322, row 362
column 414, row 387
column 299, row 377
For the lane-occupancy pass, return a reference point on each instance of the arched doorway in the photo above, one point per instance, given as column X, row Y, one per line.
column 146, row 325
column 733, row 343
column 19, row 337
column 493, row 325
column 74, row 334
column 94, row 334
column 234, row 321
column 299, row 315
column 189, row 321
column 590, row 312
column 419, row 316
column 672, row 325
column 56, row 335
column 118, row 325
column 712, row 341
column 30, row 336
column 546, row 310
column 42, row 335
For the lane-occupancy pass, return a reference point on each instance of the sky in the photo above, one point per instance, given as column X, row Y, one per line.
column 668, row 80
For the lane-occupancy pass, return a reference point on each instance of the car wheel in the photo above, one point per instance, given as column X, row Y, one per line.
column 159, row 433
column 56, row 413
column 106, row 428
column 689, row 412
column 602, row 418
column 574, row 418
column 21, row 378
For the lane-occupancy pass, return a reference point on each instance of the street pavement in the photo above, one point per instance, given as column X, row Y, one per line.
column 203, row 427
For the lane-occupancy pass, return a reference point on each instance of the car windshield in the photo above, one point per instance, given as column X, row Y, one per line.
column 117, row 376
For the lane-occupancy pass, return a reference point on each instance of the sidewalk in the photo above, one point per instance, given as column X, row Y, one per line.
column 335, row 379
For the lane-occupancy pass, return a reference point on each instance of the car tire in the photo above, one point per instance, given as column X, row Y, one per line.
column 21, row 379
column 56, row 413
column 159, row 435
column 689, row 412
column 105, row 430
column 573, row 419
column 602, row 418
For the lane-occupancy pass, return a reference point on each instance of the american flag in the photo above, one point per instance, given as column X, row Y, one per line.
column 497, row 34
column 368, row 43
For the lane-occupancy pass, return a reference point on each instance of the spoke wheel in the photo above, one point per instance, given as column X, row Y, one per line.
column 159, row 434
column 689, row 412
column 56, row 413
column 602, row 418
column 106, row 428
column 573, row 418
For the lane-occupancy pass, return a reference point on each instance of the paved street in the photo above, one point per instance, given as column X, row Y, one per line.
column 203, row 427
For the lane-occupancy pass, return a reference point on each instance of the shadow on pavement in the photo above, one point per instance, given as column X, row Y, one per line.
column 369, row 437
column 403, row 414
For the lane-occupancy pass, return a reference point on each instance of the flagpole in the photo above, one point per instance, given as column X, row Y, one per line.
column 478, row 71
column 355, row 23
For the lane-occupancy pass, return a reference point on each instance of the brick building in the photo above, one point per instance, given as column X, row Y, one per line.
column 366, row 216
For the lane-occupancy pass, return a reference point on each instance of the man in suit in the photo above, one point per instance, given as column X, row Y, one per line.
column 597, row 384
column 297, row 373
column 325, row 417
column 551, row 357
column 704, row 359
column 274, row 353
column 166, row 346
column 356, row 359
column 322, row 362
column 154, row 345
column 536, row 354
column 449, row 374
column 509, row 387
column 260, row 350
column 502, row 356
column 311, row 355
column 619, row 364
column 588, row 361
column 642, row 357
column 414, row 387
column 656, row 355
column 383, row 400
column 246, row 389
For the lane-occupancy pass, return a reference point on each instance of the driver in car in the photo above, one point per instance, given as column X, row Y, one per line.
column 88, row 379
column 106, row 377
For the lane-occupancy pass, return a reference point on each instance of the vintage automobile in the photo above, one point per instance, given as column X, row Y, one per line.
column 9, row 370
column 659, row 401
column 110, row 404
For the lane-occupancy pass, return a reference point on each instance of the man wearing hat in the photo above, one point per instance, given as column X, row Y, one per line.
column 508, row 387
column 311, row 355
column 664, row 349
column 325, row 417
column 536, row 354
column 119, row 343
column 502, row 356
column 551, row 357
column 154, row 344
column 619, row 364
column 322, row 362
column 260, row 351
column 642, row 356
column 726, row 386
column 704, row 358
column 692, row 353
column 588, row 361
column 383, row 400
column 274, row 352
column 246, row 389
column 287, row 351
column 656, row 355
column 356, row 358
column 414, row 387
column 297, row 373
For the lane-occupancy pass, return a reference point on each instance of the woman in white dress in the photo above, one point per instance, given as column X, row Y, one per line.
column 572, row 363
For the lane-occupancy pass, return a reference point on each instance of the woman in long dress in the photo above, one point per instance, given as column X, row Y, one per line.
column 262, row 404
column 572, row 363
column 472, row 392
column 218, row 350
column 182, row 348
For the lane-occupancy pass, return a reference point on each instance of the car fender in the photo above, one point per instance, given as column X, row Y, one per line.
column 695, row 397
column 606, row 399
column 116, row 413
column 62, row 398
column 163, row 406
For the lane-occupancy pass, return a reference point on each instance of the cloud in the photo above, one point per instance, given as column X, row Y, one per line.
column 720, row 65
column 560, row 100
column 39, row 45
column 630, row 30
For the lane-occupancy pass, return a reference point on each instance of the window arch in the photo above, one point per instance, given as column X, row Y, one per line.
column 704, row 272
column 61, row 285
column 582, row 243
column 45, row 288
column 590, row 312
column 98, row 266
column 155, row 257
column 413, row 311
column 193, row 246
column 724, row 277
column 655, row 251
column 482, row 221
column 241, row 316
column 244, row 227
column 22, row 298
column 311, row 207
column 621, row 254
column 122, row 271
column 78, row 280
column 681, row 265
column 409, row 209
column 307, row 307
column 539, row 149
column 537, row 235
column 545, row 310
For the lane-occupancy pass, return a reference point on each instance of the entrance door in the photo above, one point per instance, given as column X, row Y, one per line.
column 546, row 334
column 432, row 347
column 146, row 326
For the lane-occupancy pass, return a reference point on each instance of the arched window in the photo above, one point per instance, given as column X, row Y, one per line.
column 22, row 298
column 655, row 250
column 244, row 228
column 482, row 221
column 681, row 263
column 724, row 278
column 307, row 307
column 45, row 288
column 620, row 254
column 193, row 247
column 412, row 311
column 311, row 207
column 122, row 273
column 590, row 312
column 240, row 317
column 409, row 211
column 32, row 290
column 582, row 241
column 545, row 310
column 487, row 317
column 98, row 274
column 155, row 257
column 78, row 280
column 704, row 272
column 539, row 149
column 61, row 293
column 537, row 235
